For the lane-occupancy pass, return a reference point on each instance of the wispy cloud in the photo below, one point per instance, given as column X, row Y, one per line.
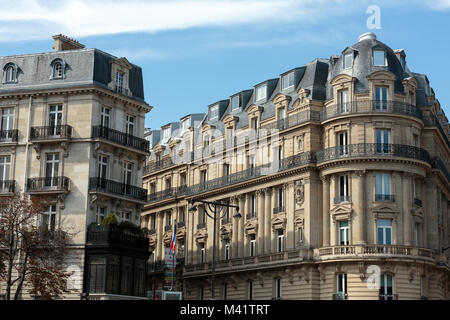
column 31, row 19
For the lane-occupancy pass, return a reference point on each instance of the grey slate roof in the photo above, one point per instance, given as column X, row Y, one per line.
column 83, row 67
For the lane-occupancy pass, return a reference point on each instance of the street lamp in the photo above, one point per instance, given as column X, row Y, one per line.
column 216, row 209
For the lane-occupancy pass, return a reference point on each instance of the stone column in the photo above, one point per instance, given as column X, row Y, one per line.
column 235, row 224
column 268, row 218
column 359, row 202
column 333, row 223
column 260, row 201
column 406, row 208
column 289, row 209
column 326, row 211
column 272, row 234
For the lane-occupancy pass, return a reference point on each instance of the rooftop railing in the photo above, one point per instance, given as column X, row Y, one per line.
column 121, row 138
column 433, row 121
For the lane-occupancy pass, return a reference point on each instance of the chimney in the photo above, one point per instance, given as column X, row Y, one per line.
column 63, row 43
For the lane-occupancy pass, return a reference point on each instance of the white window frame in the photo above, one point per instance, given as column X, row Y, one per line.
column 278, row 288
column 381, row 98
column 50, row 215
column 342, row 142
column 7, row 119
column 383, row 280
column 99, row 216
column 261, row 92
column 344, row 58
column 384, row 58
column 214, row 112
column 385, row 230
column 343, row 231
column 341, row 285
column 233, row 104
column 290, row 77
column 130, row 124
column 251, row 290
column 344, row 99
column 226, row 251
column 105, row 117
column 280, row 240
column 252, row 246
column 383, row 184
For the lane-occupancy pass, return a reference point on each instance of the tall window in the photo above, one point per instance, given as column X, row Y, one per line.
column 280, row 198
column 203, row 176
column 169, row 218
column 379, row 58
column 281, row 118
column 343, row 189
column 280, row 240
column 383, row 187
column 51, row 169
column 202, row 216
column 7, row 121
column 226, row 252
column 255, row 123
column 100, row 214
column 381, row 98
column 300, row 234
column 287, row 81
column 225, row 291
column 343, row 233
column 202, row 252
column 252, row 245
column 55, row 120
column 347, row 62
column 384, row 231
column 343, row 101
column 10, row 74
column 342, row 286
column 386, row 287
column 250, row 291
column 130, row 125
column 49, row 218
column 5, row 165
column 261, row 92
column 342, row 143
column 166, row 133
column 102, row 167
column 181, row 214
column 127, row 172
column 382, row 141
column 202, row 293
column 226, row 169
column 105, row 117
column 278, row 289
column 153, row 222
column 253, row 205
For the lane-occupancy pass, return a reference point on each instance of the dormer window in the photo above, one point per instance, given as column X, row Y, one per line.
column 214, row 112
column 10, row 73
column 347, row 62
column 119, row 81
column 235, row 102
column 185, row 124
column 287, row 81
column 58, row 69
column 166, row 133
column 379, row 58
column 261, row 92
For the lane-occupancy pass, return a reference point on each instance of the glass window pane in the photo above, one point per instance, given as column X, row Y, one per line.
column 378, row 58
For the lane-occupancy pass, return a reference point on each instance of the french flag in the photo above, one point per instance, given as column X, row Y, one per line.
column 174, row 239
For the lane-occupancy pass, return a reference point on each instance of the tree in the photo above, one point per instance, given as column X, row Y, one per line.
column 31, row 254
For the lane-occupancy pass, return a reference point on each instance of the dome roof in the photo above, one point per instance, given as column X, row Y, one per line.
column 363, row 65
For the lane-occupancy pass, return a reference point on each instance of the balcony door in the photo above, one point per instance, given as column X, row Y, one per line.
column 7, row 123
column 5, row 165
column 381, row 98
column 130, row 125
column 383, row 187
column 382, row 138
column 49, row 218
column 102, row 170
column 384, row 231
column 127, row 173
column 342, row 143
column 51, row 170
column 105, row 116
column 343, row 101
column 55, row 120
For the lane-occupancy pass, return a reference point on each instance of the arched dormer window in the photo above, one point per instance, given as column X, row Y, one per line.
column 10, row 71
column 58, row 69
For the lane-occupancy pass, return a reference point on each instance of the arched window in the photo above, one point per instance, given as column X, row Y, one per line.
column 58, row 69
column 10, row 73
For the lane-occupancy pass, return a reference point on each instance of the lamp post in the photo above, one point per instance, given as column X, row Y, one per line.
column 216, row 209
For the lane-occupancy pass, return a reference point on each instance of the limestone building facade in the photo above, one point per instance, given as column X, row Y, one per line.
column 73, row 130
column 340, row 170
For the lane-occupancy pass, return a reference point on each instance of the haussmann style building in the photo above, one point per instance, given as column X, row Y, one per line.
column 340, row 171
column 72, row 130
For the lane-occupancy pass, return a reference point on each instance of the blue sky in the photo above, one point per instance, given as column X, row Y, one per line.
column 196, row 52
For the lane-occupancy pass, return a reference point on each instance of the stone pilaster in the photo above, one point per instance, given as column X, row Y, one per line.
column 326, row 211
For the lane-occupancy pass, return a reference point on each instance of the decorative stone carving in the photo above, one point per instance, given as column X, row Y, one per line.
column 299, row 192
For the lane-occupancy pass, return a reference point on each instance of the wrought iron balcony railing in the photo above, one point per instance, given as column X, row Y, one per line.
column 51, row 132
column 370, row 106
column 7, row 186
column 433, row 121
column 48, row 184
column 117, row 188
column 9, row 136
column 115, row 236
column 385, row 197
column 372, row 150
column 158, row 165
column 293, row 120
column 121, row 138
column 340, row 199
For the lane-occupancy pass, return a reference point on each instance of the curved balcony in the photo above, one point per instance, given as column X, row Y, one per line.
column 120, row 138
column 372, row 150
column 370, row 106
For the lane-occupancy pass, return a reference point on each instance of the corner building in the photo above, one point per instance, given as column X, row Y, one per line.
column 358, row 193
column 72, row 131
